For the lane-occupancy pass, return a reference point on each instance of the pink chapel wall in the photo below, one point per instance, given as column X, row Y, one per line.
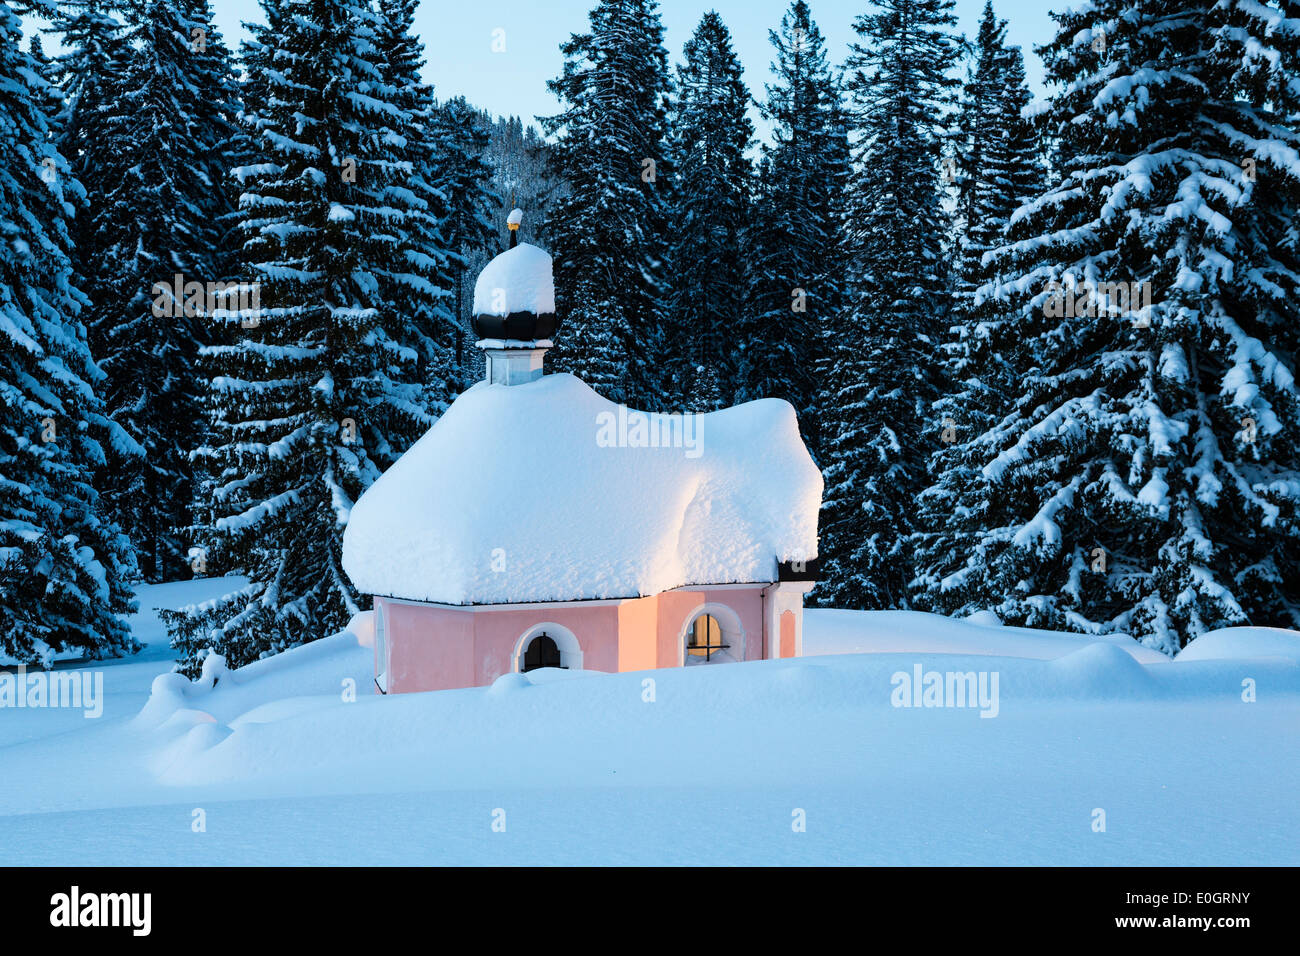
column 678, row 608
column 437, row 647
column 787, row 634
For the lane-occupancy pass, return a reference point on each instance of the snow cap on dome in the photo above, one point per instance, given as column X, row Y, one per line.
column 518, row 280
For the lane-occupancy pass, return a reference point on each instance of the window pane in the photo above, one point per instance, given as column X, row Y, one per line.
column 705, row 631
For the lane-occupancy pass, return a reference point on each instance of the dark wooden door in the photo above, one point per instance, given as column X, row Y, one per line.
column 541, row 652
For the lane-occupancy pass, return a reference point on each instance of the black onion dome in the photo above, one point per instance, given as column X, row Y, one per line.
column 514, row 297
column 525, row 326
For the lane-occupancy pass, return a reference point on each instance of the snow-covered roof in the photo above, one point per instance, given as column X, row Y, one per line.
column 549, row 492
column 518, row 280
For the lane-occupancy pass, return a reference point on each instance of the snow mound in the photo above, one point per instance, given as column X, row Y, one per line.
column 332, row 666
column 522, row 730
column 509, row 684
column 549, row 492
column 1099, row 671
column 518, row 280
column 835, row 631
column 1243, row 643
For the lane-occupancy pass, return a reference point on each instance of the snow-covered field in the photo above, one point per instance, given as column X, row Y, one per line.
column 280, row 764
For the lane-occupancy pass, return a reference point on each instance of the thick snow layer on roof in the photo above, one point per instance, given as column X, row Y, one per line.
column 518, row 280
column 549, row 492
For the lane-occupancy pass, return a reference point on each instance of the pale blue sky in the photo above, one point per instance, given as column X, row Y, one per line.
column 459, row 36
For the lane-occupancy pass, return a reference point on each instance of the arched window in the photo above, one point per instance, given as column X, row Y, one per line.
column 705, row 638
column 712, row 635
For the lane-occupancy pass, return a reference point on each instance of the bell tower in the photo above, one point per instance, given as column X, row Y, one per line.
column 514, row 310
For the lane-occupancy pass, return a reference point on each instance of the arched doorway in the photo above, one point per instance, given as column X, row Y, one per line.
column 547, row 645
column 541, row 651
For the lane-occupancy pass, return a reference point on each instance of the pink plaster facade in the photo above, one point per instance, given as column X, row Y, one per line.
column 422, row 647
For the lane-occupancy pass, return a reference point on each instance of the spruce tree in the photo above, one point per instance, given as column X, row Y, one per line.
column 63, row 565
column 154, row 214
column 709, row 217
column 421, row 155
column 997, row 164
column 52, row 101
column 796, row 282
column 997, row 167
column 885, row 361
column 463, row 177
column 607, row 232
column 1144, row 478
column 257, row 53
column 93, row 63
column 212, row 71
column 323, row 382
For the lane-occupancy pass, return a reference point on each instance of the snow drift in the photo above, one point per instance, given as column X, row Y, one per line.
column 293, row 762
column 1243, row 642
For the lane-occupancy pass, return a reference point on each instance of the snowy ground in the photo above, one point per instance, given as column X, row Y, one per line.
column 281, row 766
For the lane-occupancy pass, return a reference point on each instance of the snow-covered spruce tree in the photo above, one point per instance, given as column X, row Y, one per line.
column 463, row 176
column 1145, row 477
column 154, row 213
column 255, row 66
column 51, row 104
column 63, row 565
column 998, row 167
column 997, row 163
column 428, row 303
column 257, row 51
column 795, row 260
column 709, row 218
column 89, row 71
column 91, row 74
column 608, row 233
column 212, row 69
column 324, row 381
column 884, row 358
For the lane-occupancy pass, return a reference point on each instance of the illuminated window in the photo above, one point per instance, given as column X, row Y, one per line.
column 705, row 638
